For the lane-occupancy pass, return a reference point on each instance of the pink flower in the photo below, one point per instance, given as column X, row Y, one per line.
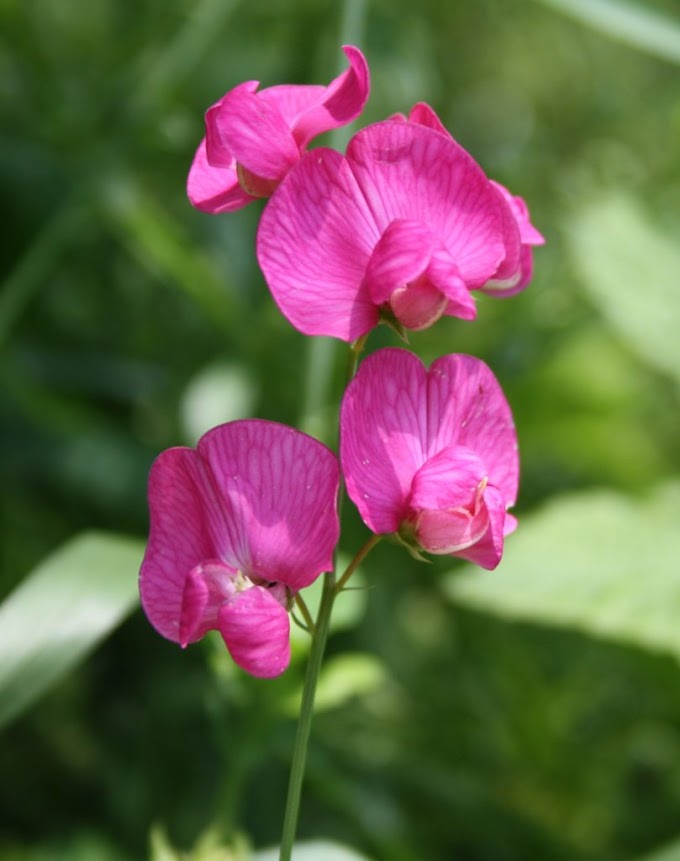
column 431, row 455
column 254, row 138
column 515, row 270
column 238, row 526
column 402, row 228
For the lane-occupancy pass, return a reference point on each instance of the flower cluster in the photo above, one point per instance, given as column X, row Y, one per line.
column 403, row 228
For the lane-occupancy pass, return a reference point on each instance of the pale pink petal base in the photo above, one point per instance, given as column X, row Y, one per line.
column 256, row 630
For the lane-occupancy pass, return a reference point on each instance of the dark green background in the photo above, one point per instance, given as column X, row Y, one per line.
column 490, row 740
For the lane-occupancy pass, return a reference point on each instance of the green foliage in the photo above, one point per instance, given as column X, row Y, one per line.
column 630, row 269
column 597, row 561
column 59, row 613
column 538, row 715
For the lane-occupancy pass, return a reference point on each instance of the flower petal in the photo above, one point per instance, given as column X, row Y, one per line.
column 214, row 189
column 186, row 528
column 402, row 254
column 278, row 488
column 446, row 498
column 314, row 242
column 450, row 479
column 467, row 407
column 255, row 133
column 488, row 549
column 422, row 114
column 256, row 630
column 206, row 588
column 340, row 103
column 413, row 172
column 383, row 435
column 443, row 273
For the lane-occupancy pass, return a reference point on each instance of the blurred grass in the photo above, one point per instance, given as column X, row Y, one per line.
column 484, row 738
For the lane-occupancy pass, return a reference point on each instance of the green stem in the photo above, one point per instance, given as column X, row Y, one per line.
column 306, row 713
column 331, row 590
column 356, row 562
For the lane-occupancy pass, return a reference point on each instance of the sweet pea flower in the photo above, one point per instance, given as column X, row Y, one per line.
column 515, row 271
column 238, row 526
column 253, row 138
column 431, row 455
column 401, row 229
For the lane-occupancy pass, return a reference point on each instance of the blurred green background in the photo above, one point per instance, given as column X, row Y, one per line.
column 532, row 713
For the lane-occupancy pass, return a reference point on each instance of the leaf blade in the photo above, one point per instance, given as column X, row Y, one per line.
column 61, row 611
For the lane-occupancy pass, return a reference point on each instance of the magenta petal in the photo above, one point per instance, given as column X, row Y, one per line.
column 444, row 274
column 256, row 630
column 383, row 435
column 467, row 407
column 422, row 114
column 206, row 588
column 214, row 189
column 509, row 267
column 488, row 549
column 418, row 305
column 186, row 528
column 314, row 241
column 216, row 148
column 400, row 256
column 409, row 171
column 341, row 102
column 447, row 499
column 278, row 488
column 194, row 603
column 256, row 134
column 448, row 533
column 450, row 479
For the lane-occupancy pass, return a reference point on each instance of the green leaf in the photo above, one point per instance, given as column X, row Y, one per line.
column 630, row 23
column 344, row 676
column 597, row 561
column 315, row 850
column 630, row 270
column 669, row 853
column 61, row 611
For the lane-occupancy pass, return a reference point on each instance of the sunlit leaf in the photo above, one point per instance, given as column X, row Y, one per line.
column 220, row 392
column 630, row 269
column 343, row 677
column 630, row 23
column 315, row 850
column 597, row 561
column 669, row 853
column 61, row 611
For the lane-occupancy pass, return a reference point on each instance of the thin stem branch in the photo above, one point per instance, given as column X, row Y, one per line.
column 356, row 562
column 306, row 615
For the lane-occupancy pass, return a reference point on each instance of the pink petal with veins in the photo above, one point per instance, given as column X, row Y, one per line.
column 313, row 244
column 467, row 407
column 409, row 171
column 488, row 549
column 214, row 189
column 383, row 435
column 256, row 630
column 340, row 103
column 187, row 524
column 278, row 489
column 255, row 133
column 433, row 451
